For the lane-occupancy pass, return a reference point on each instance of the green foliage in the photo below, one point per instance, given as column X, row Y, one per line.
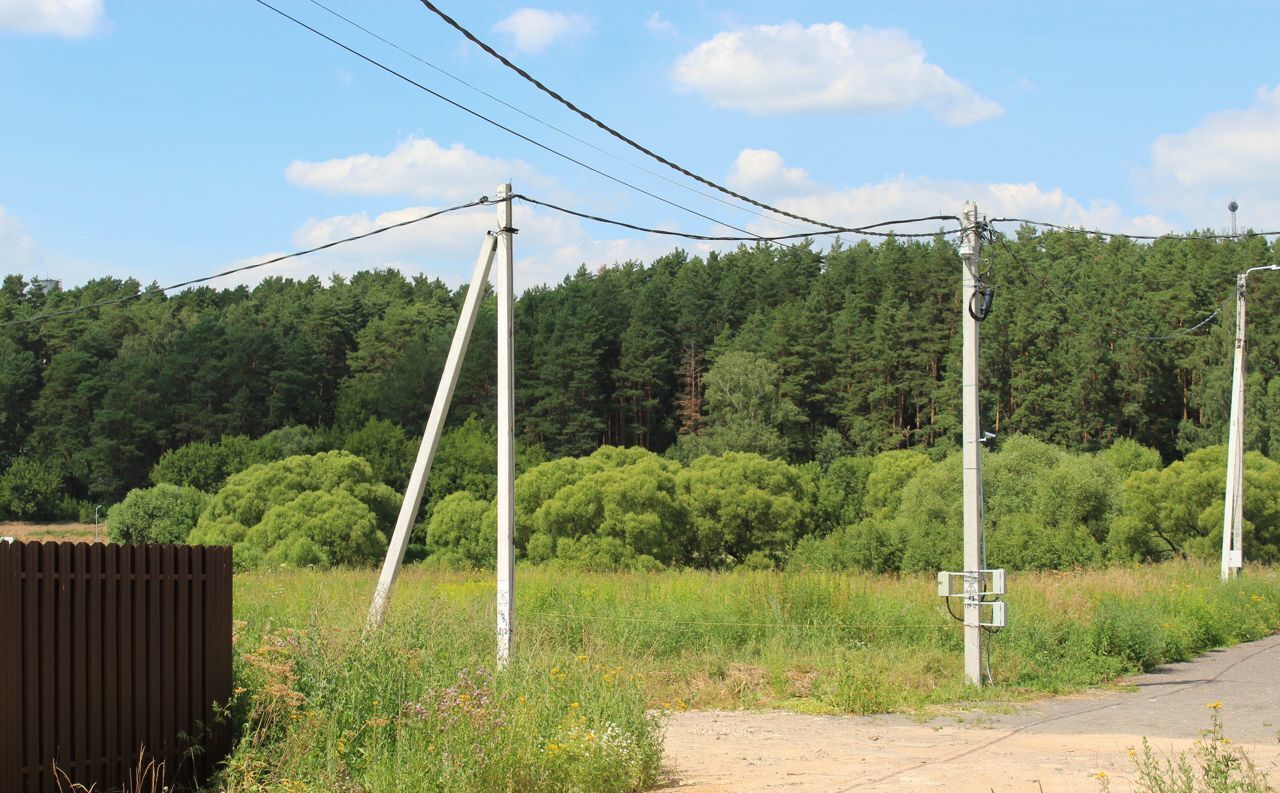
column 386, row 448
column 1127, row 456
column 889, row 474
column 315, row 529
column 322, row 509
column 1178, row 510
column 742, row 503
column 842, row 490
column 165, row 514
column 1213, row 765
column 620, row 644
column 31, row 490
column 464, row 528
column 204, row 466
column 748, row 411
column 635, row 505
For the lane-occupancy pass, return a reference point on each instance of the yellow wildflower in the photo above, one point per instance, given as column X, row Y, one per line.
column 1214, row 705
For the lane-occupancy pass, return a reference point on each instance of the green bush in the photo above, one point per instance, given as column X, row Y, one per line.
column 464, row 527
column 164, row 513
column 741, row 503
column 31, row 490
column 842, row 491
column 1122, row 629
column 204, row 466
column 636, row 504
column 389, row 452
column 323, row 509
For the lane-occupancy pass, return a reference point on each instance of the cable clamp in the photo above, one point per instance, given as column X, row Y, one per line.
column 508, row 230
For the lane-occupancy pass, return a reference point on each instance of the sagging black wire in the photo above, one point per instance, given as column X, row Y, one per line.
column 544, row 123
column 494, row 123
column 615, row 133
column 481, row 201
column 864, row 230
column 1119, row 235
column 999, row 239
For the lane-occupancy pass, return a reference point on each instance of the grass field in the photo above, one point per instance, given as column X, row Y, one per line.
column 600, row 656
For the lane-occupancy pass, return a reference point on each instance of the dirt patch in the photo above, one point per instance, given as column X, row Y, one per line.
column 1057, row 745
column 54, row 532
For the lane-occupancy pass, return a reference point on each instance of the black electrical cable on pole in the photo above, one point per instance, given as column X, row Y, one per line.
column 538, row 120
column 864, row 230
column 1117, row 334
column 1120, row 235
column 482, row 201
column 497, row 124
column 615, row 133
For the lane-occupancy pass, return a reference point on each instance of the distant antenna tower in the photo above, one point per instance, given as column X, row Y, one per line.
column 1232, row 207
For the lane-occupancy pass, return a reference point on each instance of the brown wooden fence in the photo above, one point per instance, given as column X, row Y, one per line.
column 111, row 657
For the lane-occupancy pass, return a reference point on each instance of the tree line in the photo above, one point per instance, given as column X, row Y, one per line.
column 791, row 353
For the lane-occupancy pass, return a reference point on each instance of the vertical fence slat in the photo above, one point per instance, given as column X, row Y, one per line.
column 220, row 650
column 95, row 681
column 34, row 671
column 63, row 686
column 76, row 754
column 138, row 659
column 111, row 711
column 155, row 675
column 168, row 684
column 126, row 651
column 10, row 668
column 48, row 657
column 200, row 715
column 182, row 657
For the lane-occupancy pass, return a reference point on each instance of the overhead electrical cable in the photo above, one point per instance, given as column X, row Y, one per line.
column 1121, row 235
column 482, row 201
column 544, row 123
column 615, row 133
column 500, row 125
column 864, row 230
column 1118, row 334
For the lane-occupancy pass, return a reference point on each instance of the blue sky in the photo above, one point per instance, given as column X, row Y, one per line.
column 166, row 140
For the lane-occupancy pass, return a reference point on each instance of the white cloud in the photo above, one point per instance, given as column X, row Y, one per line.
column 418, row 167
column 762, row 171
column 71, row 18
column 788, row 68
column 533, row 30
column 662, row 27
column 905, row 197
column 1230, row 154
column 19, row 253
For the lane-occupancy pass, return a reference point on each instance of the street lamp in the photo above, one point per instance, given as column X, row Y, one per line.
column 1233, row 504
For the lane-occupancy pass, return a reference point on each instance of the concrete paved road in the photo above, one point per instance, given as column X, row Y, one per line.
column 1060, row 744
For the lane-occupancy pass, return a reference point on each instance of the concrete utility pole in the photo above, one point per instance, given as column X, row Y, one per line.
column 1233, row 503
column 971, row 434
column 431, row 437
column 440, row 410
column 506, row 433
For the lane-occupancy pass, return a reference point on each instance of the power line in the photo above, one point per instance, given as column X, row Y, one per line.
column 1120, row 235
column 498, row 124
column 1120, row 335
column 482, row 201
column 615, row 133
column 544, row 123
column 865, row 230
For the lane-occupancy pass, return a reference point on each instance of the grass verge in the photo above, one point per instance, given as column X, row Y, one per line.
column 419, row 707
